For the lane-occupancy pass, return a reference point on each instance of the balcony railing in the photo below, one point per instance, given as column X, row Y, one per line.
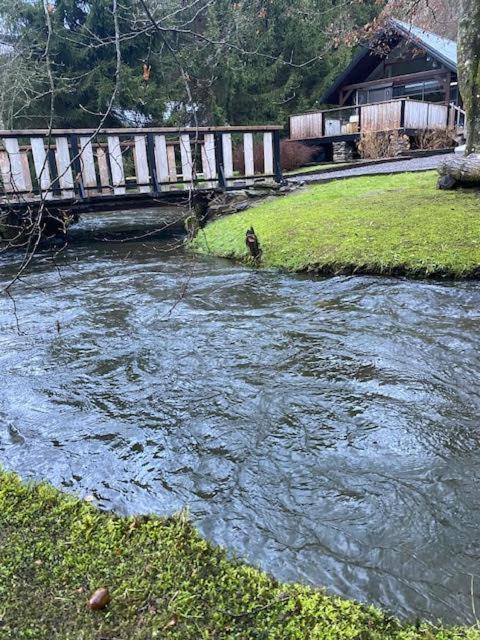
column 379, row 116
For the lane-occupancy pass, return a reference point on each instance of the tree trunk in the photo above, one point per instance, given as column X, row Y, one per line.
column 469, row 70
column 459, row 170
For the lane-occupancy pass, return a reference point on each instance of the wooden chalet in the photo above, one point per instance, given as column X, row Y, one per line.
column 404, row 80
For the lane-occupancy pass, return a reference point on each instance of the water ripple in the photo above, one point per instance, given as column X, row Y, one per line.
column 326, row 430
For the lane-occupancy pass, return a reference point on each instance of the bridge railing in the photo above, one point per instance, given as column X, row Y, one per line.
column 65, row 164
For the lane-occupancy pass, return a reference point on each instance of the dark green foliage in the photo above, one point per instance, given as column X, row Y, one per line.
column 245, row 61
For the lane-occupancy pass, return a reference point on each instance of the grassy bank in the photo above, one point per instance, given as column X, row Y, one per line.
column 397, row 224
column 165, row 582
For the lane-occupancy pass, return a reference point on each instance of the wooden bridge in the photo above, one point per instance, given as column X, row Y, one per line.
column 86, row 169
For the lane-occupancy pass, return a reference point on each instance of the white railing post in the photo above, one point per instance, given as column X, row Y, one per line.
column 64, row 167
column 42, row 169
column 87, row 164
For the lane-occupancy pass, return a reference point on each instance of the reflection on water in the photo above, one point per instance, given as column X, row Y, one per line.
column 326, row 430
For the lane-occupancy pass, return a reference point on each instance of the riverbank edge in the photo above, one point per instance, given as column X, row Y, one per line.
column 314, row 224
column 164, row 579
column 330, row 270
column 397, row 271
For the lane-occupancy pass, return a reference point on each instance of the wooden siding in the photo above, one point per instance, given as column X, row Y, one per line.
column 381, row 116
column 306, row 126
column 425, row 115
column 378, row 116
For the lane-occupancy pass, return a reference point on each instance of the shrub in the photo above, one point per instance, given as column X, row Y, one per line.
column 294, row 155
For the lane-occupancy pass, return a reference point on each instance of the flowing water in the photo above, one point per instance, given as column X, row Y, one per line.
column 326, row 430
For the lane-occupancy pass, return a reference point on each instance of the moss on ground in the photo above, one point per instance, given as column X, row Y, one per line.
column 165, row 581
column 394, row 224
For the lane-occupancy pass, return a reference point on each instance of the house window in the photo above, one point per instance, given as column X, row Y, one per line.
column 375, row 94
column 429, row 91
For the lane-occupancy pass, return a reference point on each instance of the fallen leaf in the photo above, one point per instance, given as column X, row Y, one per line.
column 171, row 623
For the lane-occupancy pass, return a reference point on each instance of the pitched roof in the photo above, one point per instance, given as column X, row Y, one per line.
column 440, row 48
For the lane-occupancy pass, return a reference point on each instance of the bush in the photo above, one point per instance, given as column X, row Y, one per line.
column 294, row 155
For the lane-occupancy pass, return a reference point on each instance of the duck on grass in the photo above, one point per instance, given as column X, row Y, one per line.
column 393, row 225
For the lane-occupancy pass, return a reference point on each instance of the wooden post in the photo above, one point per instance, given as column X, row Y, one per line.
column 64, row 167
column 161, row 159
column 277, row 157
column 103, row 169
column 402, row 113
column 53, row 171
column 6, row 173
column 142, row 172
column 209, row 159
column 186, row 156
column 152, row 168
column 268, row 153
column 248, row 154
column 219, row 151
column 76, row 164
column 87, row 164
column 116, row 165
column 227, row 155
column 26, row 172
column 12, row 168
column 40, row 162
column 449, row 116
column 447, row 82
column 172, row 163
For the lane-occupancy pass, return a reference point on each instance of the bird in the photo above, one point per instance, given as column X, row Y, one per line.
column 252, row 243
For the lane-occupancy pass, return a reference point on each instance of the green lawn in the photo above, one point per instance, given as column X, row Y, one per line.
column 395, row 224
column 165, row 582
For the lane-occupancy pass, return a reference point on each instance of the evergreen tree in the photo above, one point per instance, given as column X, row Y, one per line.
column 251, row 61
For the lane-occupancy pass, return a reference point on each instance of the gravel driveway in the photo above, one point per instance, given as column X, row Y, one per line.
column 416, row 164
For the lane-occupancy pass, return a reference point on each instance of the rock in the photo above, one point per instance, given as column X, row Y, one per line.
column 237, row 196
column 99, row 599
column 217, row 209
column 272, row 184
column 461, row 149
column 265, row 185
column 343, row 151
column 446, row 183
column 242, row 206
column 260, row 193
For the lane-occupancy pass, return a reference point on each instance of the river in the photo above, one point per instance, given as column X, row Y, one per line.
column 326, row 430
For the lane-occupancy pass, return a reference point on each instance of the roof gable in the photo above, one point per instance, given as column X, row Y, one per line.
column 444, row 50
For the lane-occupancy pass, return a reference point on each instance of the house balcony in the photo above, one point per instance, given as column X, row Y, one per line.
column 345, row 123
